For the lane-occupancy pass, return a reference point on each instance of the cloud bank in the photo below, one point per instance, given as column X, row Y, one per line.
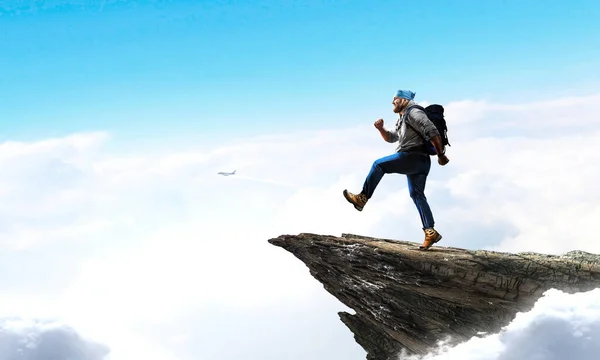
column 560, row 326
column 139, row 238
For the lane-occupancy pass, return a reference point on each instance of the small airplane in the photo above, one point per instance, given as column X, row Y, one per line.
column 226, row 173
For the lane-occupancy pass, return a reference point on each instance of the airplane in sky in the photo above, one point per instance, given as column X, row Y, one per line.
column 226, row 173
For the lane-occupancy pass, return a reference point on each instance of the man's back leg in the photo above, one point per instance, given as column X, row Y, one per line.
column 416, row 188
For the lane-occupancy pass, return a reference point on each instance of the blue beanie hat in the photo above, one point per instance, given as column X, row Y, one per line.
column 405, row 94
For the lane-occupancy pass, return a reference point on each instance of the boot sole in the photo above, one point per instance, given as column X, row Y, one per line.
column 421, row 247
column 350, row 201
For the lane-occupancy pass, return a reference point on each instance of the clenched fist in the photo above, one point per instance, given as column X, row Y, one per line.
column 443, row 160
column 378, row 124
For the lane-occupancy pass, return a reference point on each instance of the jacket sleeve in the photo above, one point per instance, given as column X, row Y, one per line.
column 393, row 136
column 421, row 122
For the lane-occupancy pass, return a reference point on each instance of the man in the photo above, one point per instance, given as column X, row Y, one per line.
column 411, row 159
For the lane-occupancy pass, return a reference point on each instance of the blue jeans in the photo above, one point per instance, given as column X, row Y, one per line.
column 416, row 168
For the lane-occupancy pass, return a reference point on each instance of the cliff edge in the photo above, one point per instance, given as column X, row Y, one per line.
column 405, row 298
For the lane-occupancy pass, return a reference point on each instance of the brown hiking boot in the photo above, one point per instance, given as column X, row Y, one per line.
column 431, row 237
column 358, row 200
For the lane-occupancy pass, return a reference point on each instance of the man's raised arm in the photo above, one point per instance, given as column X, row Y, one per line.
column 387, row 135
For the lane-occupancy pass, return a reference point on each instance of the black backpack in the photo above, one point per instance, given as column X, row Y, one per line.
column 435, row 113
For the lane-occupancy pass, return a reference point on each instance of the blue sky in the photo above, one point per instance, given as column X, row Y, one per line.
column 162, row 69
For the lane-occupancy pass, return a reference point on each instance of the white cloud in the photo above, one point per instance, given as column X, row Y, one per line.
column 466, row 111
column 40, row 340
column 545, row 188
column 566, row 102
column 560, row 326
column 145, row 237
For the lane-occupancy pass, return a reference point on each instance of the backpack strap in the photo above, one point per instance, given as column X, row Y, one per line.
column 412, row 127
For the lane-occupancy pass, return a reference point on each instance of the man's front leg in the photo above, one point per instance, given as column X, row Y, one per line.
column 378, row 169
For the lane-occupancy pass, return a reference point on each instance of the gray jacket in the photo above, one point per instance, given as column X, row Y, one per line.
column 406, row 136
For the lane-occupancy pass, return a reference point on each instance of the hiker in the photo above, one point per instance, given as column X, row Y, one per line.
column 412, row 158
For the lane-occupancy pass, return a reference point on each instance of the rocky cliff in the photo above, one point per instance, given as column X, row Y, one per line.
column 405, row 298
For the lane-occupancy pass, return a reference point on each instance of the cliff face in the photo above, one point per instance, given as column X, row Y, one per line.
column 405, row 298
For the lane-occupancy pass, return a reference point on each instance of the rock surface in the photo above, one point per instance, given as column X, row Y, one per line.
column 405, row 298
